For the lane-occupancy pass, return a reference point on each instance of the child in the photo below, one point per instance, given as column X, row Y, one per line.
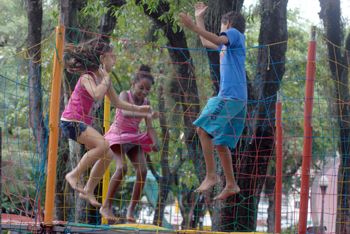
column 124, row 137
column 93, row 60
column 222, row 119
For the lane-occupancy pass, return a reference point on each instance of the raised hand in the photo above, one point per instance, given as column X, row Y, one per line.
column 104, row 74
column 186, row 20
column 199, row 9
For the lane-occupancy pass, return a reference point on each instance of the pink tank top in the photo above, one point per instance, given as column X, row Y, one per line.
column 126, row 124
column 80, row 104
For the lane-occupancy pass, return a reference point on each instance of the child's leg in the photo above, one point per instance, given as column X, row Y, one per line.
column 95, row 177
column 207, row 146
column 98, row 148
column 121, row 168
column 137, row 157
column 226, row 162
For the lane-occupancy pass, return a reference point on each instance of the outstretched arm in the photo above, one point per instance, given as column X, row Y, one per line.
column 124, row 97
column 124, row 105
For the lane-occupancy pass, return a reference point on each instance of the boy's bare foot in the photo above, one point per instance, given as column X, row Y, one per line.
column 130, row 219
column 90, row 198
column 130, row 216
column 73, row 182
column 107, row 213
column 207, row 184
column 227, row 192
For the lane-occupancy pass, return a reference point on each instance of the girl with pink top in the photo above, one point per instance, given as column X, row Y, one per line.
column 124, row 137
column 93, row 60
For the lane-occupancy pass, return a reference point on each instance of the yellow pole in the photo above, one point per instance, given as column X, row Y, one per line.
column 53, row 126
column 106, row 125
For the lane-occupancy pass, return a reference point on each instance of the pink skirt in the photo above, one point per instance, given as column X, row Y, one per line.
column 142, row 139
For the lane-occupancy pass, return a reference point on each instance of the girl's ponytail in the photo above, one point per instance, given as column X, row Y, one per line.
column 86, row 55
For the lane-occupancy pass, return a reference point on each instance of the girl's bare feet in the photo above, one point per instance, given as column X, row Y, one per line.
column 74, row 183
column 207, row 183
column 90, row 198
column 130, row 216
column 130, row 219
column 107, row 213
column 227, row 192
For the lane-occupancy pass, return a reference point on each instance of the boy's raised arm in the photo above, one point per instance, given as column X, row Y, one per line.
column 208, row 39
column 199, row 12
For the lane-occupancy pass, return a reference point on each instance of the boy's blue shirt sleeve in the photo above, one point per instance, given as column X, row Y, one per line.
column 232, row 36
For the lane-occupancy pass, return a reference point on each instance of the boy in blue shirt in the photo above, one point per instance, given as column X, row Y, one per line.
column 221, row 122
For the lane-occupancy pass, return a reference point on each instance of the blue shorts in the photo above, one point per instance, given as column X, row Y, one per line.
column 72, row 129
column 223, row 119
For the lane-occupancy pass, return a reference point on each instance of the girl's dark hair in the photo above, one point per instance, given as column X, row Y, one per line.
column 86, row 55
column 144, row 72
column 235, row 19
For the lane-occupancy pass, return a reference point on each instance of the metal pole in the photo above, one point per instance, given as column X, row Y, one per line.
column 106, row 176
column 279, row 165
column 307, row 148
column 0, row 176
column 323, row 193
column 53, row 125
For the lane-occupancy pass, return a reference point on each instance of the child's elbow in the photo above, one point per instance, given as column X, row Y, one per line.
column 206, row 45
column 209, row 45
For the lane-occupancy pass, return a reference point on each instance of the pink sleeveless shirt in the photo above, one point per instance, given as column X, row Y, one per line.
column 125, row 130
column 80, row 104
column 125, row 123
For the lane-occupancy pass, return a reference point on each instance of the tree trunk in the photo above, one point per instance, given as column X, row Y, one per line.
column 108, row 20
column 240, row 212
column 36, row 118
column 338, row 63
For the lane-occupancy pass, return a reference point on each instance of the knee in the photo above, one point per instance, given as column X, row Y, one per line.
column 223, row 150
column 141, row 175
column 200, row 132
column 103, row 146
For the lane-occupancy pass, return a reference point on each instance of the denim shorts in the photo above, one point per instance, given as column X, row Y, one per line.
column 72, row 130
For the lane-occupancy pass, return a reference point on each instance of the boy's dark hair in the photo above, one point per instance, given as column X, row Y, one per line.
column 85, row 56
column 235, row 20
column 144, row 72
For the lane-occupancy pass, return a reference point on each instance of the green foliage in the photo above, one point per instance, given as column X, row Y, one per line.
column 95, row 8
column 13, row 28
column 18, row 186
column 50, row 17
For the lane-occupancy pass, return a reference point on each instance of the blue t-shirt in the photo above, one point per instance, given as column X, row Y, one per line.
column 233, row 82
